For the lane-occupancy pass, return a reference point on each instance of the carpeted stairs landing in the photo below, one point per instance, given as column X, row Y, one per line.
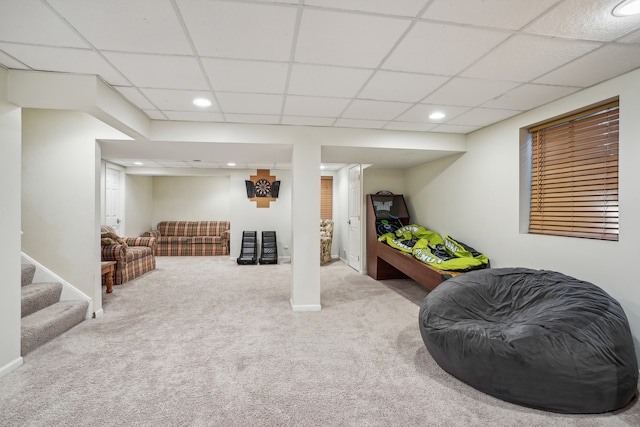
column 44, row 316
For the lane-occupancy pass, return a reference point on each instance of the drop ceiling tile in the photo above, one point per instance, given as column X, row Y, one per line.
column 525, row 57
column 482, row 117
column 148, row 26
column 129, row 162
column 320, row 80
column 173, row 164
column 292, row 2
column 374, row 110
column 529, row 96
column 346, row 39
column 355, row 123
column 420, row 113
column 240, row 30
column 66, row 60
column 441, row 49
column 468, row 92
column 135, row 97
column 253, row 118
column 229, row 75
column 159, row 71
column 250, row 103
column 314, row 106
column 204, row 165
column 307, row 121
column 410, row 126
column 445, row 128
column 505, row 14
column 178, row 100
column 403, row 87
column 238, row 166
column 396, row 7
column 30, row 21
column 609, row 61
column 147, row 163
column 584, row 19
column 194, row 116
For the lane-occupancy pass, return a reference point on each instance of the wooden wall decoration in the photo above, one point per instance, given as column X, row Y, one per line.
column 262, row 188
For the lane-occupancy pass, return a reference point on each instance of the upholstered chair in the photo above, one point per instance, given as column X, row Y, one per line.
column 133, row 255
column 326, row 238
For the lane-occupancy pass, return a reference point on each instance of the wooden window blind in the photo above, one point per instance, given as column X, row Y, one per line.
column 574, row 175
column 326, row 197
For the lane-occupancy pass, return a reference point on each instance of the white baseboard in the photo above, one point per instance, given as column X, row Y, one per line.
column 281, row 259
column 305, row 307
column 11, row 366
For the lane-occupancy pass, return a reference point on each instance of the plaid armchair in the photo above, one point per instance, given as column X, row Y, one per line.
column 133, row 255
column 326, row 237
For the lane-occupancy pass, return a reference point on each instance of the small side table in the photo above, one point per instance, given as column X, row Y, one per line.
column 108, row 268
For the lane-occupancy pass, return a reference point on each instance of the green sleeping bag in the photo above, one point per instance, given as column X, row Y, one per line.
column 429, row 247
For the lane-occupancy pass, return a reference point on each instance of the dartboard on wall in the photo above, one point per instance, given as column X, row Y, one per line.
column 262, row 188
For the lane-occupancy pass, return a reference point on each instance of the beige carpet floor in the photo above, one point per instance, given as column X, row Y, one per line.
column 201, row 341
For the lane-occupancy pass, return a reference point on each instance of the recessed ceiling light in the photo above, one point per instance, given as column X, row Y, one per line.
column 231, row 164
column 627, row 8
column 322, row 166
column 138, row 163
column 202, row 102
column 437, row 115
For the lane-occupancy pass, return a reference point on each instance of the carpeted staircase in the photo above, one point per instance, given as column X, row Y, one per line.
column 44, row 316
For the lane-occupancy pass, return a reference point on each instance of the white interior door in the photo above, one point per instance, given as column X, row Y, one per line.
column 113, row 199
column 355, row 207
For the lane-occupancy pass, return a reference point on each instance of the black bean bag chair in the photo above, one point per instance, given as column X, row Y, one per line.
column 533, row 337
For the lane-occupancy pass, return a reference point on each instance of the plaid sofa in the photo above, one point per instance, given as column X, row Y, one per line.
column 191, row 238
column 131, row 261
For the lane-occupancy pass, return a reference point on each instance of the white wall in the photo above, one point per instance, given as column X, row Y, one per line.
column 375, row 180
column 219, row 196
column 61, row 195
column 138, row 204
column 191, row 198
column 475, row 198
column 10, row 152
column 245, row 216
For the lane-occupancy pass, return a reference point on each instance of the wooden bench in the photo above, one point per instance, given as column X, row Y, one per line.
column 390, row 263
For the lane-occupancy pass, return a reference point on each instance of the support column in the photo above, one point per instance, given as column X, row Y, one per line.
column 10, row 220
column 305, row 226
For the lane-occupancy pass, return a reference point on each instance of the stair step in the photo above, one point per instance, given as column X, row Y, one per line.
column 51, row 321
column 37, row 296
column 28, row 271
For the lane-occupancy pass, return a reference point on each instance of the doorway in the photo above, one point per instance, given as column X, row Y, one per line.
column 355, row 208
column 113, row 199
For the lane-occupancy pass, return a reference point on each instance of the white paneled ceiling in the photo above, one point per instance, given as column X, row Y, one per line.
column 380, row 64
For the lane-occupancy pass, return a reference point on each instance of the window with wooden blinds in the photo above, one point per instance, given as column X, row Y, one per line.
column 574, row 175
column 326, row 197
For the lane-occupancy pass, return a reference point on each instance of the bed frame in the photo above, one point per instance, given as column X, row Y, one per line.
column 385, row 262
